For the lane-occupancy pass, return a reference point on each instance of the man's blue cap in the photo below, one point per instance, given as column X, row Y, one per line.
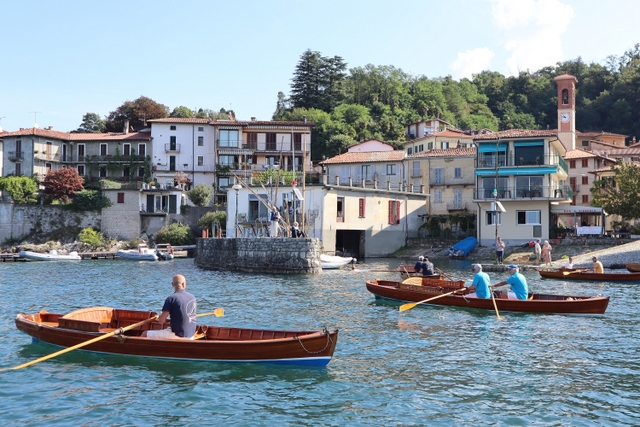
column 512, row 266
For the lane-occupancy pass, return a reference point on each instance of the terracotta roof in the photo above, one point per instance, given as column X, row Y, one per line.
column 598, row 133
column 229, row 122
column 578, row 154
column 68, row 136
column 517, row 133
column 367, row 157
column 449, row 152
column 626, row 151
column 565, row 77
column 449, row 133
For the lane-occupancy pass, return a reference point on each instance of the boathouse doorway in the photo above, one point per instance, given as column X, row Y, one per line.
column 350, row 243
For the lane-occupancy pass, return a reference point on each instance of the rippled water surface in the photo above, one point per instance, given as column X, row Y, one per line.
column 430, row 366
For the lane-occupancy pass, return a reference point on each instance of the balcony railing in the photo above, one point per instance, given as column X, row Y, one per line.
column 489, row 162
column 468, row 180
column 16, row 156
column 531, row 192
column 457, row 206
column 172, row 147
column 373, row 183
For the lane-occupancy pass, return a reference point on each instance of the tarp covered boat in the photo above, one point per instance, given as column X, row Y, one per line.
column 53, row 255
column 331, row 261
column 212, row 343
column 539, row 303
column 590, row 276
column 463, row 247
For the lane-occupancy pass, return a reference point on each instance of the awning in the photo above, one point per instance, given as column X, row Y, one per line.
column 570, row 210
column 491, row 147
column 533, row 143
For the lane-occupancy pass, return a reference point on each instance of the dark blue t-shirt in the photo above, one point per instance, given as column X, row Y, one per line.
column 181, row 306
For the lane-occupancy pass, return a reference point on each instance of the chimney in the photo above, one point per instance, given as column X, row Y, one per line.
column 304, row 119
column 253, row 119
column 125, row 130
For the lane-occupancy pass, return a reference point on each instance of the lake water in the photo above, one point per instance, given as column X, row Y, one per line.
column 430, row 366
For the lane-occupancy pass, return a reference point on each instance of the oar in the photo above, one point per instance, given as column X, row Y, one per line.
column 409, row 306
column 566, row 273
column 494, row 303
column 218, row 312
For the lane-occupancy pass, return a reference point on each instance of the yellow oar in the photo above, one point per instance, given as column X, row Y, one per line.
column 566, row 273
column 409, row 306
column 494, row 303
column 218, row 312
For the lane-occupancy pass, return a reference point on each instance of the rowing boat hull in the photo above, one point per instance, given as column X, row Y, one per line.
column 633, row 267
column 588, row 276
column 219, row 344
column 541, row 303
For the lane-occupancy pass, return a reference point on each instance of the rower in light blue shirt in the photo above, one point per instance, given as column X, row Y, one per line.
column 518, row 283
column 481, row 282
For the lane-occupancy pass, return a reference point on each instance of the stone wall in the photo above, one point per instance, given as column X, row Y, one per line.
column 259, row 255
column 122, row 219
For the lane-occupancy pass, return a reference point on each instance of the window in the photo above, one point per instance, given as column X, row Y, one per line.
column 528, row 217
column 172, row 163
column 437, row 176
column 572, row 164
column 565, row 96
column 200, row 141
column 81, row 151
column 103, row 172
column 297, row 141
column 18, row 169
column 437, row 196
column 228, row 138
column 585, row 180
column 585, row 143
column 142, row 150
column 585, row 198
column 225, row 160
column 585, row 163
column 172, row 143
column 104, row 150
column 361, row 207
column 223, row 182
column 172, row 127
column 409, row 151
column 126, row 150
column 81, row 170
column 120, row 197
column 445, row 145
column 416, row 169
column 271, row 141
column 252, row 141
column 367, row 173
column 457, row 172
column 126, row 171
column 391, row 169
column 394, row 212
column 200, row 160
column 340, row 210
column 494, row 218
column 200, row 128
column 141, row 172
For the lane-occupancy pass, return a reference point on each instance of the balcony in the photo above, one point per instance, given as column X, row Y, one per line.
column 555, row 193
column 172, row 147
column 15, row 156
column 457, row 206
column 489, row 162
column 467, row 180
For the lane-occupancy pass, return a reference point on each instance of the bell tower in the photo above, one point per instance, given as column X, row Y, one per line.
column 566, row 84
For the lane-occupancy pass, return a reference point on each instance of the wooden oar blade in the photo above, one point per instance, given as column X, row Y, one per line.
column 218, row 312
column 406, row 307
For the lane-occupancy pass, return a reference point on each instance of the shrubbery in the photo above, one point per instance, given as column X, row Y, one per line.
column 200, row 195
column 90, row 200
column 22, row 189
column 205, row 222
column 91, row 237
column 176, row 234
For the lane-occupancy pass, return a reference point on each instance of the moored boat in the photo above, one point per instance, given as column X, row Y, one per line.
column 408, row 270
column 589, row 276
column 332, row 262
column 538, row 303
column 52, row 255
column 212, row 343
column 164, row 251
column 143, row 253
column 463, row 247
column 633, row 267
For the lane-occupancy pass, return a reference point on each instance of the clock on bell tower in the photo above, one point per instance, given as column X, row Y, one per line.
column 566, row 84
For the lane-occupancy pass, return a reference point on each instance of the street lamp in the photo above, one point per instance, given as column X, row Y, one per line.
column 236, row 187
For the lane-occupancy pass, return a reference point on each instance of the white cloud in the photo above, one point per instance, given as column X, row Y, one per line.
column 471, row 62
column 531, row 31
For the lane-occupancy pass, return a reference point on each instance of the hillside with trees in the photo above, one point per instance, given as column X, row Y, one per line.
column 379, row 101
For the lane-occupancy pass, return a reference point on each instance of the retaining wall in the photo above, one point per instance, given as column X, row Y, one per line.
column 259, row 255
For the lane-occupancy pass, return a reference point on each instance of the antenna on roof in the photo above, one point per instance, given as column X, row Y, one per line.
column 35, row 118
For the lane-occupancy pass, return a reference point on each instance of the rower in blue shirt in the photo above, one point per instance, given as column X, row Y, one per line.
column 518, row 284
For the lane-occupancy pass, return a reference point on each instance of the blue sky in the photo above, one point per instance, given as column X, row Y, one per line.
column 62, row 59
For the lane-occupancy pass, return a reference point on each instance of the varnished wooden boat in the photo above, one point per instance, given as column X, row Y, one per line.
column 407, row 271
column 212, row 343
column 540, row 303
column 633, row 267
column 590, row 276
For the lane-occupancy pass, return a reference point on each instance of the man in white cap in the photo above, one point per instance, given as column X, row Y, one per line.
column 480, row 282
column 518, row 283
column 419, row 265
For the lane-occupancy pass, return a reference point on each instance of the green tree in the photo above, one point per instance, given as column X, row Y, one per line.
column 90, row 200
column 22, row 189
column 182, row 112
column 91, row 123
column 207, row 220
column 339, row 144
column 317, row 82
column 200, row 195
column 137, row 112
column 62, row 184
column 619, row 194
column 91, row 237
column 176, row 234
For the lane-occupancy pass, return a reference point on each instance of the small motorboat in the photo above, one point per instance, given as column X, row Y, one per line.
column 53, row 255
column 124, row 328
column 164, row 251
column 463, row 247
column 332, row 262
column 443, row 293
column 143, row 253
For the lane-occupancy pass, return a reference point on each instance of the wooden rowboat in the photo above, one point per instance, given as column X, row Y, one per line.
column 407, row 271
column 539, row 303
column 633, row 267
column 212, row 343
column 589, row 276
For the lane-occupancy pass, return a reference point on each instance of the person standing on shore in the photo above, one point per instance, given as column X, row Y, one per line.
column 546, row 252
column 500, row 247
column 537, row 249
